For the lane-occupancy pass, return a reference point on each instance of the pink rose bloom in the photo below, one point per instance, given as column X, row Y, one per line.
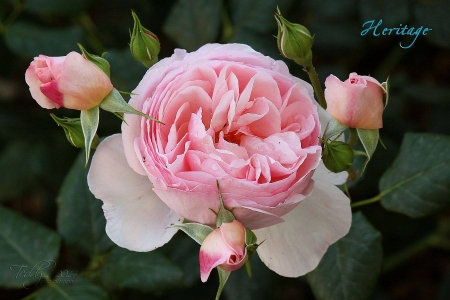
column 69, row 81
column 356, row 102
column 224, row 247
column 234, row 115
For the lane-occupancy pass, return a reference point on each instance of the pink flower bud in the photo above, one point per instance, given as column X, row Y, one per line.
column 67, row 81
column 356, row 102
column 224, row 247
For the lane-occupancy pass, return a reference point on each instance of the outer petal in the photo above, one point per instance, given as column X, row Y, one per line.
column 295, row 247
column 82, row 83
column 34, row 83
column 136, row 218
column 213, row 252
column 341, row 99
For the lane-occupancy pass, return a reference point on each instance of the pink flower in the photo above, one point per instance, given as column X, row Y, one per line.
column 224, row 247
column 356, row 102
column 69, row 81
column 234, row 115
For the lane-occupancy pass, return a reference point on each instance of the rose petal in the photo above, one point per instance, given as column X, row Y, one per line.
column 213, row 252
column 34, row 83
column 82, row 83
column 295, row 247
column 136, row 218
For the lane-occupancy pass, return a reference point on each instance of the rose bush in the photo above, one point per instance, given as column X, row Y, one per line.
column 356, row 102
column 234, row 115
column 69, row 81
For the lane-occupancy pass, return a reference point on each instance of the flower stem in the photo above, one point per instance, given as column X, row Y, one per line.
column 86, row 22
column 367, row 201
column 353, row 137
column 437, row 239
column 314, row 78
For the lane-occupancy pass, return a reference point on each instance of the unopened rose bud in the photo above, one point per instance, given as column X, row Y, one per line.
column 357, row 102
column 144, row 44
column 69, row 81
column 337, row 156
column 294, row 41
column 224, row 247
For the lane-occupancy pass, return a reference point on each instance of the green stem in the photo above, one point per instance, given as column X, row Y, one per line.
column 405, row 254
column 367, row 201
column 314, row 78
column 437, row 239
column 227, row 27
column 89, row 26
column 353, row 137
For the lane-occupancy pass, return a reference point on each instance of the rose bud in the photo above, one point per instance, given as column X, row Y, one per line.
column 144, row 44
column 67, row 81
column 224, row 247
column 356, row 102
column 294, row 40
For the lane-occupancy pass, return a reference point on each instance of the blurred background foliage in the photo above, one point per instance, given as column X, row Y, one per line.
column 48, row 213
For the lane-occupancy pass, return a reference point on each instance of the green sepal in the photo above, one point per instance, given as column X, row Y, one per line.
column 337, row 156
column 224, row 215
column 333, row 128
column 100, row 62
column 198, row 232
column 74, row 132
column 89, row 124
column 369, row 138
column 223, row 277
column 115, row 103
column 250, row 237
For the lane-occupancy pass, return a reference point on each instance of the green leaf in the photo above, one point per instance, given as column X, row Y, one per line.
column 418, row 182
column 369, row 138
column 29, row 40
column 56, row 7
column 144, row 271
column 350, row 268
column 89, row 123
column 80, row 216
column 198, row 232
column 67, row 285
column 22, row 163
column 223, row 277
column 28, row 250
column 115, row 103
column 193, row 23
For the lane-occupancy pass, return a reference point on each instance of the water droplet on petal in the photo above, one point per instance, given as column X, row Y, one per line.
column 215, row 167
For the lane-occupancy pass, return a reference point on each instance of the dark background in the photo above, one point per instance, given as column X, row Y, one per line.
column 35, row 157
